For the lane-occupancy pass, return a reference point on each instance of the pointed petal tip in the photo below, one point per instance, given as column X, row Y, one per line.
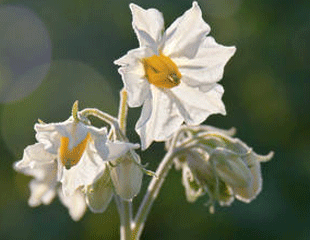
column 132, row 6
column 195, row 4
column 196, row 7
column 233, row 50
column 223, row 112
column 16, row 165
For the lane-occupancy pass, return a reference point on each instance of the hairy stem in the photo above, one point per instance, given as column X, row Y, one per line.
column 99, row 114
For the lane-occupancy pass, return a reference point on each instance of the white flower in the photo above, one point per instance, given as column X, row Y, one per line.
column 40, row 164
column 173, row 75
column 223, row 167
column 80, row 151
column 67, row 158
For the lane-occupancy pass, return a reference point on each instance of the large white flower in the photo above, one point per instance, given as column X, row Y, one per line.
column 41, row 165
column 173, row 75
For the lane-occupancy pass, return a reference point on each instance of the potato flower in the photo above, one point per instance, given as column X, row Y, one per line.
column 173, row 74
column 71, row 153
column 41, row 165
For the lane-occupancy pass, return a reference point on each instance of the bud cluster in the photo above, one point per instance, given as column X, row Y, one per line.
column 214, row 163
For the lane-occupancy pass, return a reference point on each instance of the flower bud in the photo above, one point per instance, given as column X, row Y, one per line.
column 100, row 193
column 126, row 175
column 230, row 168
column 213, row 162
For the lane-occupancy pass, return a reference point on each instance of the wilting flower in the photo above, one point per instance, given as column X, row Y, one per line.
column 220, row 166
column 173, row 75
column 69, row 154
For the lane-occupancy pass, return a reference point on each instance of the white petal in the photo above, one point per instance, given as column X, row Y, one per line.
column 47, row 135
column 99, row 141
column 127, row 176
column 82, row 174
column 50, row 134
column 75, row 203
column 118, row 149
column 132, row 72
column 196, row 105
column 186, row 34
column 207, row 66
column 35, row 161
column 159, row 118
column 108, row 150
column 99, row 194
column 41, row 192
column 148, row 25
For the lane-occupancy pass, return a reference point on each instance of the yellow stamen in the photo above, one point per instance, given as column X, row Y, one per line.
column 68, row 157
column 161, row 71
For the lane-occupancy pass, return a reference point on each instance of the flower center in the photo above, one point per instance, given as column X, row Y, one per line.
column 161, row 71
column 71, row 157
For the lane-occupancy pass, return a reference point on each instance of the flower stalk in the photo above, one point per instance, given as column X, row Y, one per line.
column 126, row 220
column 152, row 193
column 125, row 206
column 123, row 110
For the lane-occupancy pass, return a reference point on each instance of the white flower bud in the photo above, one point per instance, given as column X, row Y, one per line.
column 215, row 163
column 100, row 193
column 230, row 168
column 126, row 175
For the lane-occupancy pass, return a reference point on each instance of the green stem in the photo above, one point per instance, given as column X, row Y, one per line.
column 126, row 206
column 150, row 196
column 106, row 118
column 101, row 115
column 126, row 220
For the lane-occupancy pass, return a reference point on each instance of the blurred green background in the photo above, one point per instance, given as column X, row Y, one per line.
column 71, row 45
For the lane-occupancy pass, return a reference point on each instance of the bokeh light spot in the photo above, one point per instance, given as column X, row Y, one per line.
column 66, row 82
column 25, row 52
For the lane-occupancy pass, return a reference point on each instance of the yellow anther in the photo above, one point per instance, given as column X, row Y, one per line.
column 161, row 71
column 68, row 157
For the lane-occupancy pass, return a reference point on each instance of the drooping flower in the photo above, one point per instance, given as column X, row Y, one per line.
column 41, row 165
column 173, row 75
column 220, row 166
column 80, row 151
column 69, row 154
